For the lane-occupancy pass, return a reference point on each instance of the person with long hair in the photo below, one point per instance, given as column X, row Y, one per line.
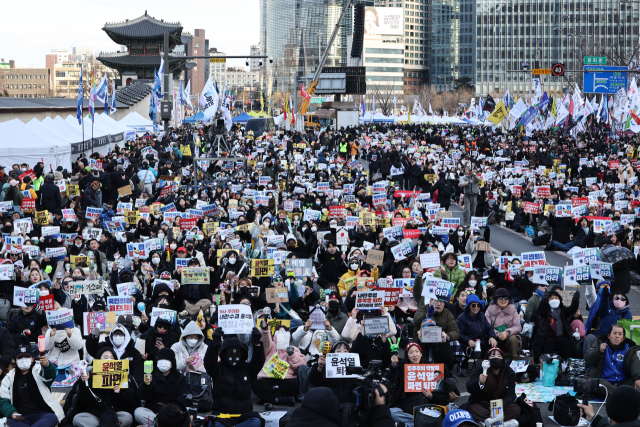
column 498, row 383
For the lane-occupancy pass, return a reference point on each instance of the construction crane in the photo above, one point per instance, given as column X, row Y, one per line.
column 316, row 76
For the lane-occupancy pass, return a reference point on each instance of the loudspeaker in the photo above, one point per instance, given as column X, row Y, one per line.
column 358, row 30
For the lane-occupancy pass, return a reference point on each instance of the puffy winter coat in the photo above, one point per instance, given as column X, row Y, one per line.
column 171, row 388
column 63, row 350
column 507, row 388
column 594, row 359
column 295, row 360
column 305, row 341
column 455, row 275
column 543, row 321
column 508, row 316
column 183, row 350
column 474, row 327
column 444, row 319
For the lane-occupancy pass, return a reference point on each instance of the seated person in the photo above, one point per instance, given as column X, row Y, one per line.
column 25, row 393
column 606, row 311
column 505, row 321
column 159, row 336
column 26, row 326
column 64, row 345
column 341, row 387
column 92, row 402
column 269, row 387
column 165, row 385
column 553, row 327
column 498, row 383
column 306, row 339
column 232, row 375
column 534, row 302
column 473, row 325
column 607, row 358
column 124, row 348
column 191, row 349
column 442, row 317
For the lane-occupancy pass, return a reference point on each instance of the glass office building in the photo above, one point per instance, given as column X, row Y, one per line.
column 509, row 33
column 293, row 33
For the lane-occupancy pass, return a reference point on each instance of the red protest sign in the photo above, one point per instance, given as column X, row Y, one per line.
column 411, row 234
column 46, row 302
column 391, row 296
column 613, row 165
column 422, row 377
column 401, row 222
column 517, row 190
column 405, row 194
column 188, row 224
column 28, row 173
column 337, row 211
column 28, row 204
column 579, row 201
column 166, row 191
column 532, row 208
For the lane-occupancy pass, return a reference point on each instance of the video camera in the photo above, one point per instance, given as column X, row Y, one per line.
column 368, row 382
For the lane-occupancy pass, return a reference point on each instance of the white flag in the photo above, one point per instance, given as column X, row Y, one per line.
column 225, row 107
column 394, row 104
column 209, row 100
column 102, row 90
column 561, row 112
column 430, row 110
column 187, row 94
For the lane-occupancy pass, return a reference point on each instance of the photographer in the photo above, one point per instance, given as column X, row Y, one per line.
column 231, row 377
column 623, row 409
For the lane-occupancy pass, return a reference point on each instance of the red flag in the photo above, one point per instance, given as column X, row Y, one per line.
column 571, row 106
column 284, row 106
column 635, row 117
column 304, row 93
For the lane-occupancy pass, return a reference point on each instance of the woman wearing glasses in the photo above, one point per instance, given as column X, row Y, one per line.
column 473, row 325
column 606, row 311
column 505, row 321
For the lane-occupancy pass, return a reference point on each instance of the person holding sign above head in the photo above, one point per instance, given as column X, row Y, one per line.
column 498, row 383
column 232, row 375
column 480, row 259
column 196, row 296
column 342, row 387
column 163, row 386
column 63, row 345
column 25, row 393
column 403, row 402
column 91, row 404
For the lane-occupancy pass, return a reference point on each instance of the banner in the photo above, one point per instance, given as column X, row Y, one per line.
column 196, row 275
column 60, row 319
column 336, row 364
column 369, row 300
column 120, row 305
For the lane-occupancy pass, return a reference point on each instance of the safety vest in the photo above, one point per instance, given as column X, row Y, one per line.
column 343, row 147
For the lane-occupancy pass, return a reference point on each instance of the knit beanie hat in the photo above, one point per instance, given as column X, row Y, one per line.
column 624, row 404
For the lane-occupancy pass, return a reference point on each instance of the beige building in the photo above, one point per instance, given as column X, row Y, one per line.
column 67, row 74
column 25, row 82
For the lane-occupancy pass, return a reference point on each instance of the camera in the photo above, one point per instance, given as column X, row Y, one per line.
column 367, row 383
column 585, row 388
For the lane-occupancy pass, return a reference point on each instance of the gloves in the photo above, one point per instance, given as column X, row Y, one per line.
column 95, row 332
column 38, row 309
column 216, row 339
column 290, row 351
column 255, row 336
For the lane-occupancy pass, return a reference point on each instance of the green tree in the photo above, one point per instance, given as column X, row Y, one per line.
column 463, row 83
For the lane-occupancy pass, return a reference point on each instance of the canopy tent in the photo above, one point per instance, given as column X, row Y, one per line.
column 378, row 117
column 258, row 114
column 70, row 135
column 242, row 118
column 63, row 147
column 19, row 144
column 99, row 143
column 199, row 117
column 137, row 122
column 118, row 131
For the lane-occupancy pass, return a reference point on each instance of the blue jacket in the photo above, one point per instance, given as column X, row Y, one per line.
column 473, row 328
column 322, row 158
column 613, row 365
column 608, row 315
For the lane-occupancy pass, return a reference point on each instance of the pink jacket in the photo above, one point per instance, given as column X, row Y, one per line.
column 509, row 316
column 294, row 361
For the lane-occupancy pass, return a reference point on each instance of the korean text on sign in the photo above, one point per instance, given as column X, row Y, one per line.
column 423, row 377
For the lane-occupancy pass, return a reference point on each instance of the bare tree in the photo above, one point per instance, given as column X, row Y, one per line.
column 384, row 98
column 427, row 95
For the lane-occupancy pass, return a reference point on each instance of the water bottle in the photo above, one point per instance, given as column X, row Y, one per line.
column 576, row 335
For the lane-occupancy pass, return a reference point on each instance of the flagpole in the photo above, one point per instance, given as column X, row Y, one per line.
column 82, row 128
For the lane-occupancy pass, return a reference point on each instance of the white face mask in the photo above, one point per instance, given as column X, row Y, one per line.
column 44, row 293
column 156, row 261
column 460, row 233
column 24, row 363
column 191, row 342
column 173, row 246
column 160, row 236
column 554, row 303
column 118, row 340
column 354, row 266
column 164, row 365
column 314, row 229
column 232, row 261
column 473, row 283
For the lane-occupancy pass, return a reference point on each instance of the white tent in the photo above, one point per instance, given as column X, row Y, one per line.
column 21, row 145
column 100, row 143
column 63, row 146
column 118, row 130
column 65, row 134
column 136, row 122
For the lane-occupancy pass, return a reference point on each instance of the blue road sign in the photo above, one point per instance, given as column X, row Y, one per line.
column 606, row 81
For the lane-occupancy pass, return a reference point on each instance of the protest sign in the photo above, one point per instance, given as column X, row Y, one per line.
column 302, row 267
column 46, row 302
column 42, row 217
column 235, row 319
column 93, row 213
column 156, row 313
column 430, row 260
column 120, row 305
column 406, row 284
column 478, row 222
column 434, row 288
column 275, row 367
column 87, row 287
column 6, row 272
column 276, row 295
column 125, row 191
column 103, row 321
column 393, row 233
column 136, row 250
column 391, row 295
column 402, row 250
column 336, row 364
column 483, row 245
column 369, row 300
column 601, row 270
column 110, row 373
column 13, row 244
column 197, row 275
column 419, row 377
column 547, row 275
column 375, row 257
column 126, row 289
column 317, row 317
column 262, row 267
column 24, row 297
column 376, row 325
column 577, row 275
column 60, row 319
column 530, row 260
column 464, row 262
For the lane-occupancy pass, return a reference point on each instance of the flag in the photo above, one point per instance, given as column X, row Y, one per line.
column 106, row 105
column 430, row 110
column 489, row 104
column 102, row 89
column 292, row 113
column 113, row 97
column 304, row 94
column 157, row 84
column 161, row 75
column 499, row 114
column 80, row 96
column 394, row 103
column 187, row 94
column 209, row 100
column 235, row 95
column 544, row 101
column 225, row 107
column 284, row 106
column 373, row 107
column 553, row 107
column 92, row 96
column 362, row 108
column 152, row 106
column 604, row 109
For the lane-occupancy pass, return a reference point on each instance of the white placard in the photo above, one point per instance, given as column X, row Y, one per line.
column 235, row 319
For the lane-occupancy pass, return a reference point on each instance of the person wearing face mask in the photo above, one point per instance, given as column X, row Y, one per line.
column 64, row 345
column 25, row 393
column 608, row 309
column 336, row 312
column 354, row 265
column 159, row 336
column 458, row 240
column 498, row 383
column 553, row 332
column 165, row 385
column 123, row 348
column 190, row 350
column 332, row 263
column 26, row 326
column 231, row 266
column 473, row 325
column 232, row 376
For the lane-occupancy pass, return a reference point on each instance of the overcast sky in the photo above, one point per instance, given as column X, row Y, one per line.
column 31, row 29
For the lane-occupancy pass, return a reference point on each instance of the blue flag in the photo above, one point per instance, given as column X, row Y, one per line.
column 544, row 101
column 80, row 96
column 605, row 109
column 362, row 108
column 152, row 106
column 106, row 104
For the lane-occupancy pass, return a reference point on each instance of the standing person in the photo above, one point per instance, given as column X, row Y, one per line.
column 50, row 199
column 469, row 182
column 445, row 189
column 25, row 395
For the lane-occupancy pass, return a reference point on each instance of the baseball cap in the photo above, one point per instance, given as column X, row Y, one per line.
column 456, row 417
column 182, row 249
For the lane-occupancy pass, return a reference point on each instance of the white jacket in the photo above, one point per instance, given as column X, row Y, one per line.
column 182, row 350
column 62, row 349
column 305, row 341
column 6, row 390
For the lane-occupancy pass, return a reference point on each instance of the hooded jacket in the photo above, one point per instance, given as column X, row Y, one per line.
column 171, row 388
column 295, row 360
column 231, row 385
column 607, row 313
column 319, row 409
column 305, row 340
column 127, row 351
column 169, row 338
column 63, row 349
column 474, row 327
column 183, row 350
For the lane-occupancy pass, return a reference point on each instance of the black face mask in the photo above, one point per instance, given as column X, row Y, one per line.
column 496, row 363
column 334, row 305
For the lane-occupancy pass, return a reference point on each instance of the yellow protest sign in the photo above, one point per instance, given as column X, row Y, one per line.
column 243, row 227
column 262, row 267
column 222, row 252
column 197, row 275
column 273, row 323
column 155, row 209
column 499, row 114
column 73, row 190
column 350, row 282
column 185, row 150
column 77, row 259
column 209, row 228
column 132, row 217
column 109, row 373
column 430, row 177
column 276, row 368
column 42, row 217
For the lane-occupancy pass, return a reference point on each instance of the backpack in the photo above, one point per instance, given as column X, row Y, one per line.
column 446, row 190
column 529, row 231
column 565, row 410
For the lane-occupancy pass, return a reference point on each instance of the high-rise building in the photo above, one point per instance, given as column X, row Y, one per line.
column 509, row 34
column 196, row 46
column 254, row 63
column 81, row 53
column 294, row 33
column 217, row 66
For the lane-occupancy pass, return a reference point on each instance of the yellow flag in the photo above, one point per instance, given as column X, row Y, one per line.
column 553, row 107
column 499, row 114
column 262, row 101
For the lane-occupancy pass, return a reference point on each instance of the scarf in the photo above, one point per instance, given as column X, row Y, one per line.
column 556, row 321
